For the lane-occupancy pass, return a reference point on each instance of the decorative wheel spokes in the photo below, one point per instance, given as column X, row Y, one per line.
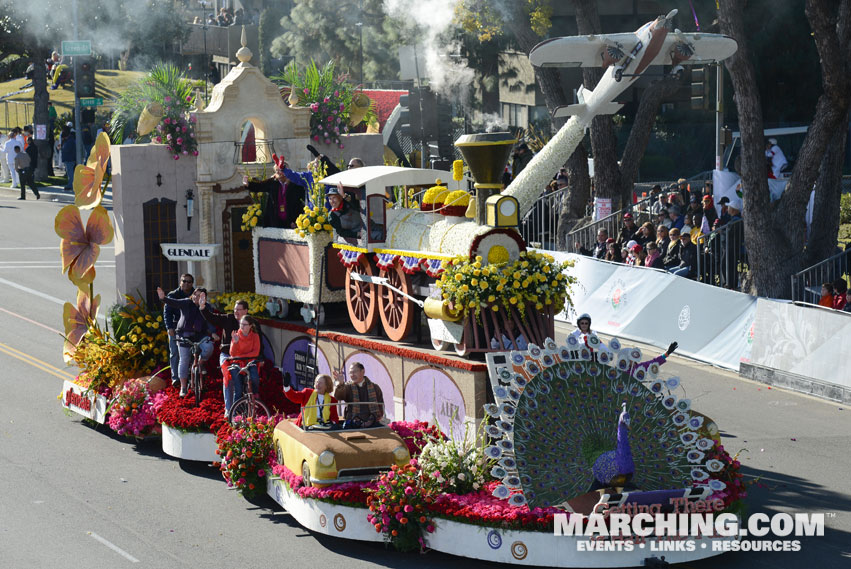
column 361, row 297
column 395, row 310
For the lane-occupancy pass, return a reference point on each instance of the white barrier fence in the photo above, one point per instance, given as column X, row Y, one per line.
column 710, row 324
column 804, row 348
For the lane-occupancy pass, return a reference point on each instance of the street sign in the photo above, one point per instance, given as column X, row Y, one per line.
column 91, row 101
column 81, row 47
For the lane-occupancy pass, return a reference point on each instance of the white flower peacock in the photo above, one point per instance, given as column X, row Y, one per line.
column 568, row 420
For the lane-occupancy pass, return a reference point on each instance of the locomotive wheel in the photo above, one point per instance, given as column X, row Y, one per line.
column 361, row 297
column 440, row 345
column 396, row 311
column 461, row 349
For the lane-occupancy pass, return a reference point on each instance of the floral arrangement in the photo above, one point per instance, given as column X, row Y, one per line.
column 131, row 412
column 349, row 493
column 105, row 362
column 226, row 300
column 181, row 412
column 135, row 324
column 177, row 129
column 455, row 203
column 735, row 486
column 534, row 279
column 397, row 507
column 434, row 197
column 335, row 104
column 245, row 448
column 456, row 467
column 315, row 216
column 416, row 435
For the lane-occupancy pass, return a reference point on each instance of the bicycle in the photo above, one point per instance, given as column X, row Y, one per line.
column 196, row 369
column 248, row 406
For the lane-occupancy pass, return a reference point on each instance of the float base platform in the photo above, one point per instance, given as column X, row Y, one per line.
column 92, row 406
column 514, row 547
column 189, row 446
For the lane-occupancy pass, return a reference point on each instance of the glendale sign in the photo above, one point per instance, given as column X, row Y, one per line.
column 189, row 251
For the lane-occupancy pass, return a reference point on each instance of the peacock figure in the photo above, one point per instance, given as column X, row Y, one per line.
column 572, row 418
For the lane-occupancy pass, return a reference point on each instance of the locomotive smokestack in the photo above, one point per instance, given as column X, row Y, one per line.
column 486, row 154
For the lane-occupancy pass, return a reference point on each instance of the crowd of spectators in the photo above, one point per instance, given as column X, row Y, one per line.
column 679, row 236
column 836, row 295
column 227, row 17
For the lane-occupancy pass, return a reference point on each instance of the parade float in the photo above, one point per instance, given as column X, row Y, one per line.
column 483, row 460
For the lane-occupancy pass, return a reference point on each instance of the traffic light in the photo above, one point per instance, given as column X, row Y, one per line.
column 445, row 130
column 411, row 119
column 699, row 88
column 85, row 77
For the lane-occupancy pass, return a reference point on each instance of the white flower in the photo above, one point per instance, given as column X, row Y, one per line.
column 461, row 476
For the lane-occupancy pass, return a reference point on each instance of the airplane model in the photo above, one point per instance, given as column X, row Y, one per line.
column 650, row 45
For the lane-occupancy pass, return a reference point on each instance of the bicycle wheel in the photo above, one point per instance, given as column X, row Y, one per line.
column 248, row 408
column 196, row 383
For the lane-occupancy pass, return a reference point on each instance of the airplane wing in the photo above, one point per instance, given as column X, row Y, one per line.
column 594, row 51
column 577, row 51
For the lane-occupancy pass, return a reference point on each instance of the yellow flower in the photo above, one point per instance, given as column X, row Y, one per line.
column 472, row 304
column 478, row 264
column 474, row 282
column 254, row 222
column 317, row 226
column 513, row 300
column 459, row 277
column 484, row 284
column 500, row 287
column 516, row 284
column 495, row 308
column 445, row 296
column 327, row 227
column 491, row 298
column 321, row 219
column 464, row 288
column 546, row 268
column 477, row 272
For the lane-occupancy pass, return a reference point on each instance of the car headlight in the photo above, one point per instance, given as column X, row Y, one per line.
column 401, row 453
column 326, row 458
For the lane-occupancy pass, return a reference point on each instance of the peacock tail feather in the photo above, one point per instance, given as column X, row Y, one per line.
column 556, row 414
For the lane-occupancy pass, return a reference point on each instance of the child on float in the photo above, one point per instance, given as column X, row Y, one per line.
column 318, row 406
column 244, row 346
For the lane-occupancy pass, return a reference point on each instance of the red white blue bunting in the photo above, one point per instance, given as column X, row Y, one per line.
column 432, row 267
column 349, row 258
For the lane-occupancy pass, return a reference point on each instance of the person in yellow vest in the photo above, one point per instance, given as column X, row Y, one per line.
column 318, row 406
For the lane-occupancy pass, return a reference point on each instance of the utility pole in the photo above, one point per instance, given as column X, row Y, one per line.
column 78, row 135
column 719, row 114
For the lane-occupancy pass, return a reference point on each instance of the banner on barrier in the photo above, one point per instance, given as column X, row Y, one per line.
column 710, row 324
column 806, row 341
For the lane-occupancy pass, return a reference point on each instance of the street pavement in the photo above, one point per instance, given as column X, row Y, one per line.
column 74, row 495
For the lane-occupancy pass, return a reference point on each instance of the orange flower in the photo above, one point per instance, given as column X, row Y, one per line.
column 77, row 320
column 88, row 178
column 80, row 247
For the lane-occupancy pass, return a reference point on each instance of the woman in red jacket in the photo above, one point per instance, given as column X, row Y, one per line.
column 317, row 404
column 244, row 346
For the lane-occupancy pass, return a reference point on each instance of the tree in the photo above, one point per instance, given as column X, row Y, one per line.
column 775, row 232
column 327, row 29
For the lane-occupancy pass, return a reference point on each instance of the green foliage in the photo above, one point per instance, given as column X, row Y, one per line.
column 164, row 80
column 327, row 29
column 845, row 209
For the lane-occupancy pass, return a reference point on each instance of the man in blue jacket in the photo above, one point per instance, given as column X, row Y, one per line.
column 171, row 316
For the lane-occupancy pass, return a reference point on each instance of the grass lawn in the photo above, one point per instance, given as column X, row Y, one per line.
column 51, row 181
column 110, row 83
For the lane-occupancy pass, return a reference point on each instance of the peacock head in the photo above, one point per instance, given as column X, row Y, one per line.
column 624, row 416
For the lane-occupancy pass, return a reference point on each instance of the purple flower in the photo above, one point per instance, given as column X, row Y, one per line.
column 342, row 106
column 167, row 99
column 306, row 90
column 336, row 93
column 167, row 120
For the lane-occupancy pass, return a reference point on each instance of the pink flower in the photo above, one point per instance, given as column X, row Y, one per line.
column 167, row 120
column 177, row 156
column 342, row 106
column 336, row 93
column 316, row 137
column 325, row 100
column 167, row 99
column 409, row 508
column 194, row 153
column 188, row 97
column 179, row 139
column 409, row 490
column 327, row 141
column 261, row 473
column 306, row 90
column 430, row 528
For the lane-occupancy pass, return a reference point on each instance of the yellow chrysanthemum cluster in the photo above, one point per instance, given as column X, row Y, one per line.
column 456, row 203
column 433, row 198
column 137, row 345
column 533, row 281
column 313, row 221
column 458, row 170
column 251, row 217
column 256, row 302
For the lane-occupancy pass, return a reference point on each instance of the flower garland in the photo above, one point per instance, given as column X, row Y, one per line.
column 316, row 216
column 534, row 278
column 352, row 494
column 177, row 128
column 131, row 412
column 246, row 447
column 256, row 302
column 397, row 507
column 253, row 214
column 182, row 413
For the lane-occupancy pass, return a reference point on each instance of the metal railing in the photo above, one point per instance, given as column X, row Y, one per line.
column 16, row 113
column 587, row 236
column 722, row 257
column 806, row 284
column 539, row 226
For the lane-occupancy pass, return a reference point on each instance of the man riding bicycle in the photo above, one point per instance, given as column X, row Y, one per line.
column 192, row 327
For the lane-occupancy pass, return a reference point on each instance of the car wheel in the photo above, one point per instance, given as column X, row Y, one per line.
column 305, row 473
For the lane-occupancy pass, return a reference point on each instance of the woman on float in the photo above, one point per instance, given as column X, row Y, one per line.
column 318, row 406
column 244, row 346
column 583, row 328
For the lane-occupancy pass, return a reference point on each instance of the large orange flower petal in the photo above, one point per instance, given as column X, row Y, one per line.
column 87, row 190
column 98, row 227
column 77, row 320
column 82, row 269
column 69, row 226
column 83, row 282
column 100, row 152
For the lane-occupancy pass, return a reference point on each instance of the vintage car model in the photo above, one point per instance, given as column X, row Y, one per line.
column 326, row 457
